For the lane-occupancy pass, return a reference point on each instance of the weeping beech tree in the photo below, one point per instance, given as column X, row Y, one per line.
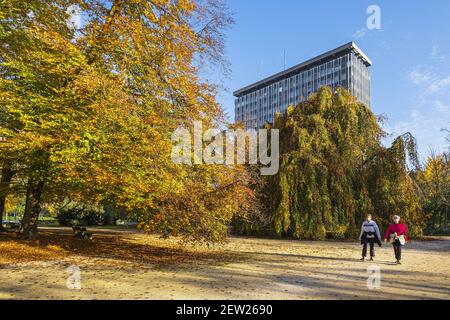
column 334, row 170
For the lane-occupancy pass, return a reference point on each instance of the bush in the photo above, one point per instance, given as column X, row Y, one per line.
column 340, row 233
column 437, row 231
column 47, row 220
column 81, row 215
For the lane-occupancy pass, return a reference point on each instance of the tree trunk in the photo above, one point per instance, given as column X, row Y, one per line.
column 7, row 175
column 29, row 228
column 446, row 212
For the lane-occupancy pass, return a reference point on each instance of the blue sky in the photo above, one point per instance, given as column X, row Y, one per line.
column 410, row 54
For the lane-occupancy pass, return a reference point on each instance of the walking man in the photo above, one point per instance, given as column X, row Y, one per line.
column 370, row 234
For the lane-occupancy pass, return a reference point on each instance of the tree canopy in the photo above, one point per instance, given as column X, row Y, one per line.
column 434, row 181
column 91, row 92
column 334, row 170
column 87, row 111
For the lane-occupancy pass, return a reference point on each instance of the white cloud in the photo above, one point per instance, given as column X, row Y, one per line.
column 429, row 105
column 440, row 85
column 440, row 107
column 360, row 34
column 430, row 81
column 436, row 53
column 75, row 17
column 426, row 125
column 417, row 76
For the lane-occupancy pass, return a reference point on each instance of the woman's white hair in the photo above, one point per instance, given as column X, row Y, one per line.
column 396, row 218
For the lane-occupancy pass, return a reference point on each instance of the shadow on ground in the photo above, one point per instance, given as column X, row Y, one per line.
column 117, row 246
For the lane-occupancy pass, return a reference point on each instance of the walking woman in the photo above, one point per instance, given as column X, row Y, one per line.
column 397, row 233
column 370, row 234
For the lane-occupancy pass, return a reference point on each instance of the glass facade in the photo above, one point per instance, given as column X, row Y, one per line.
column 347, row 67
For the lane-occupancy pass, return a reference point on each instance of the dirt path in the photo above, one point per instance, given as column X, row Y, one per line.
column 242, row 269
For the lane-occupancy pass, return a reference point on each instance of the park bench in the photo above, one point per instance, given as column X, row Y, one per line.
column 81, row 233
column 11, row 225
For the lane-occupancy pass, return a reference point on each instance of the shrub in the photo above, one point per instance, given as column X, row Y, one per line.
column 81, row 215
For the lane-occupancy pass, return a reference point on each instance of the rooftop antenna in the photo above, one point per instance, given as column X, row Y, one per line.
column 284, row 60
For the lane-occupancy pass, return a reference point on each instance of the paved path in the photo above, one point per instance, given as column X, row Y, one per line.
column 244, row 268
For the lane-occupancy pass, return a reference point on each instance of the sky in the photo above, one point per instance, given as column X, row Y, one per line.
column 410, row 55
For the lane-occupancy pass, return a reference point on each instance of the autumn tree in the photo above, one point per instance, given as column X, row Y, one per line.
column 7, row 174
column 89, row 110
column 36, row 61
column 334, row 170
column 434, row 181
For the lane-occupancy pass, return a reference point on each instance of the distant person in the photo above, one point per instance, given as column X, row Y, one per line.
column 370, row 234
column 397, row 233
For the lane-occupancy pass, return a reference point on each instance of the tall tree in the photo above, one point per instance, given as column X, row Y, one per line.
column 434, row 181
column 7, row 174
column 37, row 59
column 334, row 170
column 89, row 109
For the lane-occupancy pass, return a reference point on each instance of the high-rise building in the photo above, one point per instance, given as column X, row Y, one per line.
column 346, row 66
